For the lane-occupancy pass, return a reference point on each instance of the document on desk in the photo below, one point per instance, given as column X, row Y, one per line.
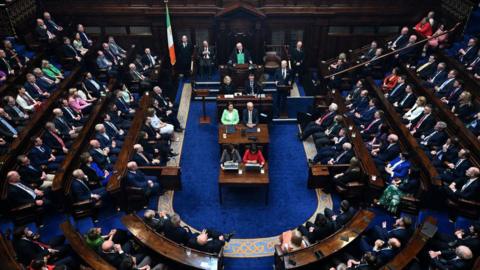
column 228, row 96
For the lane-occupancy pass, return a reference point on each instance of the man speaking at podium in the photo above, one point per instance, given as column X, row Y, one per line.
column 283, row 79
column 240, row 56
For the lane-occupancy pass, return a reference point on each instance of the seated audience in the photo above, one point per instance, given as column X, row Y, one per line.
column 43, row 157
column 33, row 176
column 156, row 221
column 341, row 218
column 250, row 117
column 144, row 159
column 320, row 229
column 86, row 42
column 51, row 71
column 466, row 188
column 96, row 175
column 208, row 241
column 351, row 174
column 320, row 124
column 136, row 179
column 398, row 167
column 230, row 115
column 292, row 240
column 468, row 53
column 78, row 45
column 458, row 258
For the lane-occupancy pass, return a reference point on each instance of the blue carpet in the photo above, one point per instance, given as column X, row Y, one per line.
column 243, row 209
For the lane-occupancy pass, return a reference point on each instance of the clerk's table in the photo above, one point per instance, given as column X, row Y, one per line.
column 244, row 178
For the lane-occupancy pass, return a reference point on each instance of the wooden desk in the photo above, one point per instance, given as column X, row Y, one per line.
column 237, row 138
column 247, row 178
column 263, row 105
column 80, row 247
column 239, row 73
column 169, row 249
column 304, row 258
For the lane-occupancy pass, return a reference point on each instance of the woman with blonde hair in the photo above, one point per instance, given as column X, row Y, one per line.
column 416, row 110
column 464, row 109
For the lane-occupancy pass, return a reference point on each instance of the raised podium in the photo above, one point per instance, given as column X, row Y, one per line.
column 203, row 93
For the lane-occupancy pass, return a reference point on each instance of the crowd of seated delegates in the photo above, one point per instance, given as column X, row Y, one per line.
column 469, row 56
column 11, row 61
column 208, row 240
column 324, row 225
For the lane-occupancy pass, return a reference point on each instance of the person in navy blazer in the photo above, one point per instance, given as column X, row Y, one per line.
column 398, row 168
column 80, row 190
column 93, row 86
column 346, row 213
column 467, row 188
column 107, row 141
column 435, row 138
column 360, row 103
column 18, row 195
column 372, row 128
column 427, row 123
column 383, row 250
column 459, row 258
column 41, row 156
column 438, row 77
column 252, row 87
column 467, row 54
column 447, row 153
column 387, row 151
column 144, row 159
column 474, row 125
column 32, row 175
column 175, row 232
column 452, row 96
column 100, row 156
column 365, row 116
column 401, row 230
column 321, row 123
column 136, row 178
column 406, row 101
column 31, row 86
column 398, row 91
column 283, row 77
column 446, row 86
column 455, row 170
column 86, row 42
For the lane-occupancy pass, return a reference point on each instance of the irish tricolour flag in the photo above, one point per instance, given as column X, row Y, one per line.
column 171, row 47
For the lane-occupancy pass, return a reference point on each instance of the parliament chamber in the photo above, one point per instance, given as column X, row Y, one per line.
column 250, row 134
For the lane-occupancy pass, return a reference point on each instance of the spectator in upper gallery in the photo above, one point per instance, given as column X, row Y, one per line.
column 424, row 28
column 42, row 156
column 70, row 51
column 321, row 123
column 148, row 60
column 416, row 111
column 474, row 64
column 464, row 108
column 398, row 167
column 227, row 87
column 230, row 115
column 13, row 56
column 33, row 176
column 78, row 45
column 86, row 42
column 398, row 188
column 115, row 48
column 25, row 101
column 43, row 81
column 5, row 64
column 253, row 155
column 435, row 138
column 455, row 169
column 447, row 85
column 34, row 89
column 400, row 41
column 427, row 70
column 51, row 71
column 136, row 178
column 104, row 64
column 467, row 54
column 391, row 80
column 51, row 25
column 144, row 159
column 368, row 55
column 467, row 188
column 459, row 258
column 184, row 55
column 19, row 194
column 42, row 32
column 438, row 39
column 109, row 55
column 94, row 87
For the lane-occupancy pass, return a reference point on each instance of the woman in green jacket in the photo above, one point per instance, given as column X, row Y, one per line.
column 51, row 71
column 230, row 115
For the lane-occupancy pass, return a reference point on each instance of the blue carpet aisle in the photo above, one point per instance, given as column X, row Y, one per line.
column 243, row 210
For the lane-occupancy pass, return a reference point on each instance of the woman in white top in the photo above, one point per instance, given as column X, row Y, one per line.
column 126, row 95
column 77, row 44
column 158, row 124
column 416, row 110
column 26, row 101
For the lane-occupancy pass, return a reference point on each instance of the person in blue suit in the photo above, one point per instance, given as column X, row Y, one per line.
column 401, row 230
column 80, row 190
column 346, row 213
column 383, row 250
column 136, row 178
column 398, row 168
column 41, row 156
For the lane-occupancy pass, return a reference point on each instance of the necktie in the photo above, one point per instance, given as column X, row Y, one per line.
column 251, row 86
column 144, row 157
column 423, row 66
column 95, row 84
column 434, row 77
column 32, row 168
column 112, row 126
column 445, row 83
column 18, row 111
column 421, row 121
column 59, row 140
column 284, row 73
column 396, row 89
column 468, row 49
column 41, row 149
column 325, row 117
column 69, row 111
column 250, row 117
column 453, row 92
column 404, row 99
column 467, row 184
column 340, row 156
column 371, row 124
column 26, row 189
column 458, row 163
column 10, row 128
column 426, row 139
column 397, row 164
column 396, row 40
column 474, row 62
column 37, row 88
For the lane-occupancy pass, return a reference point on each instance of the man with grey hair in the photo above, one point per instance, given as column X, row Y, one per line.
column 458, row 258
column 467, row 188
column 156, row 221
column 434, row 138
column 137, row 179
column 283, row 77
column 184, row 56
column 81, row 191
column 322, row 122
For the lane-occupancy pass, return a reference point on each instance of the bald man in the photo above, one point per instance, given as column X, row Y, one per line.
column 458, row 258
column 184, row 56
column 283, row 77
column 136, row 179
column 297, row 57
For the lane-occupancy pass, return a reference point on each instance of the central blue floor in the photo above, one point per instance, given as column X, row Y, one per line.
column 243, row 209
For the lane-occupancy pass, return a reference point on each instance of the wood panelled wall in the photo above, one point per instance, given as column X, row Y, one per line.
column 326, row 27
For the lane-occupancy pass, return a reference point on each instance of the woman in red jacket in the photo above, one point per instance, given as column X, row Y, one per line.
column 253, row 155
column 390, row 81
column 424, row 28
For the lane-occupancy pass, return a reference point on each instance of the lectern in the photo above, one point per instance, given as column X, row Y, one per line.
column 203, row 93
column 283, row 90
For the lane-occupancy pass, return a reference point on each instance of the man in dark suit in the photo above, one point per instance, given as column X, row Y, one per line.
column 252, row 87
column 51, row 25
column 7, row 128
column 406, row 101
column 341, row 156
column 54, row 140
column 80, row 190
column 459, row 258
column 19, row 194
column 330, row 146
column 5, row 65
column 175, row 232
column 113, row 253
column 365, row 116
column 145, row 159
column 446, row 86
column 474, row 125
column 35, row 90
column 66, row 130
column 109, row 55
column 250, row 116
column 427, row 70
column 208, row 241
column 73, row 118
column 69, row 52
column 135, row 77
column 401, row 230
column 400, row 41
column 184, row 56
column 112, row 130
column 156, row 221
column 240, row 56
column 398, row 91
column 283, row 77
column 467, row 188
column 100, row 156
column 148, row 60
column 321, row 228
column 387, row 152
column 370, row 53
column 438, row 77
column 42, row 32
column 346, row 213
column 451, row 97
column 43, row 81
column 460, row 237
column 94, row 87
column 456, row 170
column 206, row 59
column 360, row 103
column 86, row 42
column 321, row 123
column 371, row 128
column 434, row 138
column 19, row 117
column 28, row 247
column 105, row 140
column 136, row 178
column 297, row 56
column 42, row 156
column 15, row 121
column 409, row 53
column 467, row 54
column 33, row 176
column 424, row 122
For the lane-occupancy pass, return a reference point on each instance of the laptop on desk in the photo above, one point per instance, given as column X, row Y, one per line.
column 229, row 129
column 253, row 167
column 230, row 166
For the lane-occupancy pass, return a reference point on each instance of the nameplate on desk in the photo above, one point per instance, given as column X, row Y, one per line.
column 228, row 96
